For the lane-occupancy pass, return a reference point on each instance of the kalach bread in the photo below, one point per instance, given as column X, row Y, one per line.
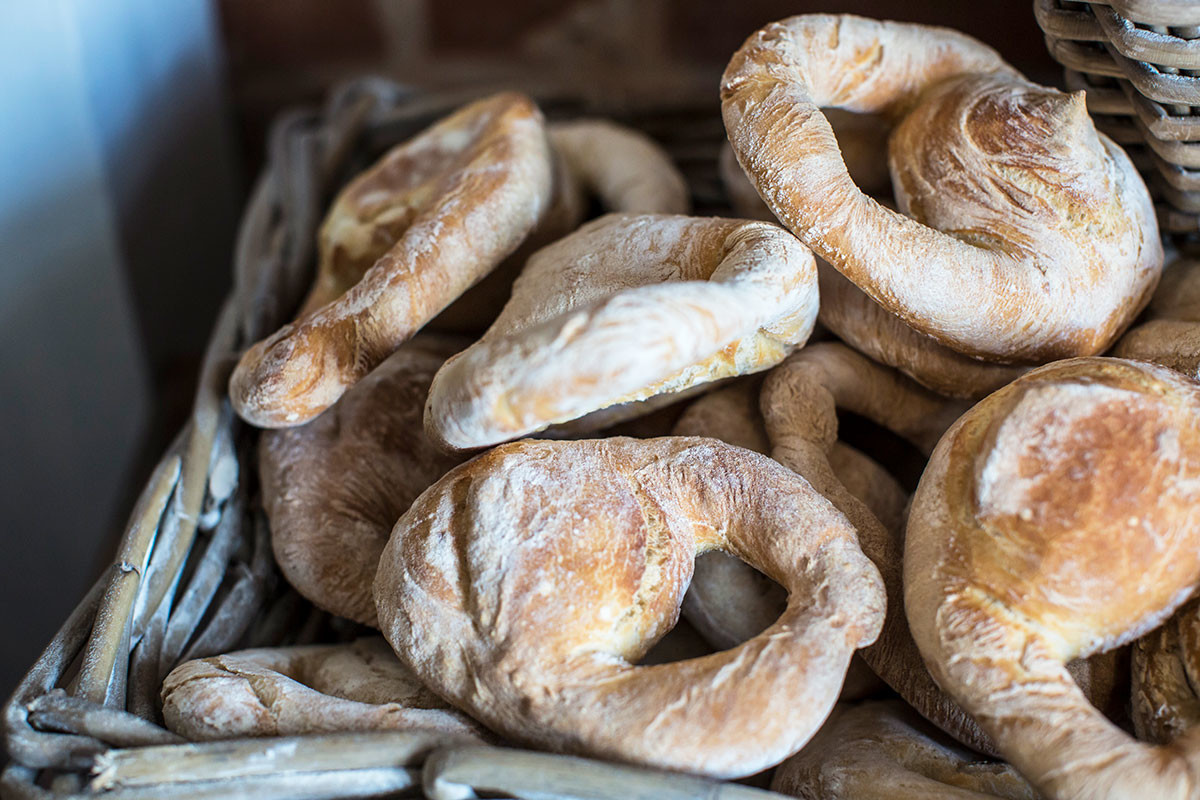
column 1059, row 517
column 525, row 585
column 302, row 690
column 1028, row 236
column 627, row 308
column 453, row 202
column 334, row 487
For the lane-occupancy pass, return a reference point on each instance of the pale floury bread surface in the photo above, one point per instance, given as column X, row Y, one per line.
column 623, row 169
column 334, row 487
column 474, row 186
column 526, row 584
column 1034, row 240
column 304, row 690
column 884, row 751
column 1057, row 518
column 627, row 308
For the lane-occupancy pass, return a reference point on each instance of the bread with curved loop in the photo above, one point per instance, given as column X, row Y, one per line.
column 627, row 308
column 862, row 139
column 304, row 690
column 1059, row 517
column 884, row 751
column 334, row 487
column 1029, row 236
column 728, row 601
column 799, row 404
column 1171, row 336
column 477, row 183
column 625, row 170
column 526, row 584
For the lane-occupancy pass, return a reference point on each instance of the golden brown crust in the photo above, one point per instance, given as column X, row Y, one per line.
column 627, row 308
column 1171, row 337
column 885, row 751
column 872, row 330
column 863, row 142
column 1058, row 518
column 297, row 691
column 478, row 182
column 530, row 612
column 1035, row 240
column 799, row 403
column 334, row 487
column 729, row 601
column 624, row 168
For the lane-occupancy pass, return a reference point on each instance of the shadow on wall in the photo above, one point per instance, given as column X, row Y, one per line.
column 116, row 221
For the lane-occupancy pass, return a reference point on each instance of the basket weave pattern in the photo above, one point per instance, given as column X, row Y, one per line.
column 194, row 575
column 1139, row 62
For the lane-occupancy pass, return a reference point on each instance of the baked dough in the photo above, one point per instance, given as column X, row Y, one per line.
column 1057, row 518
column 625, row 170
column 334, row 487
column 1028, row 236
column 627, row 308
column 884, row 751
column 525, row 584
column 452, row 203
column 1171, row 336
column 311, row 689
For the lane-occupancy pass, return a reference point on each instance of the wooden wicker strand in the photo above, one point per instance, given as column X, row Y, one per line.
column 1139, row 62
column 102, row 676
column 456, row 774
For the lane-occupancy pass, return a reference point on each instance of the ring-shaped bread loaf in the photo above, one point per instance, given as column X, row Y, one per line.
column 476, row 184
column 728, row 601
column 884, row 751
column 1028, row 235
column 334, row 487
column 526, row 584
column 304, row 690
column 627, row 308
column 1059, row 517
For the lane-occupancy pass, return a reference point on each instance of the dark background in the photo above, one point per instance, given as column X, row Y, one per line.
column 136, row 126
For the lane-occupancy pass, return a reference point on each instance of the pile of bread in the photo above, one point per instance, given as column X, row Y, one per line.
column 471, row 497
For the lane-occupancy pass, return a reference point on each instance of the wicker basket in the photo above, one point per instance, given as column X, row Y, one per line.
column 1139, row 62
column 194, row 575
